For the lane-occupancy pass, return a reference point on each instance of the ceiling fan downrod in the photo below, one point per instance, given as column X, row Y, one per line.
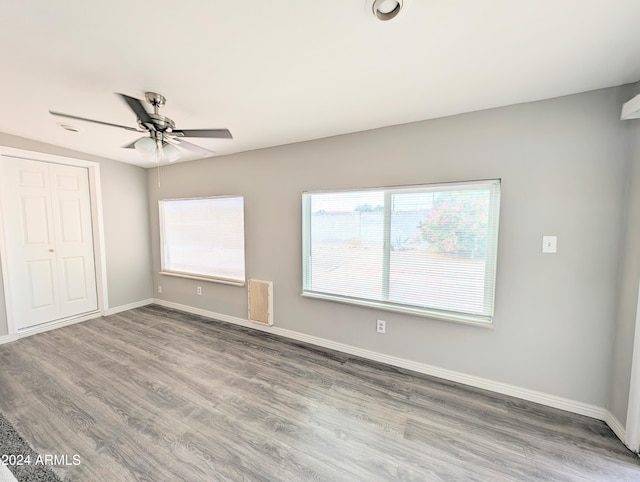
column 156, row 100
column 160, row 122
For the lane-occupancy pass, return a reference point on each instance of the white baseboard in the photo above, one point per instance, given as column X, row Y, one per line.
column 72, row 321
column 91, row 316
column 554, row 401
column 130, row 306
column 56, row 324
column 615, row 425
column 8, row 339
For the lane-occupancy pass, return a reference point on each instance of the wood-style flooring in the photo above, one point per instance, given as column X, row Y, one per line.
column 158, row 395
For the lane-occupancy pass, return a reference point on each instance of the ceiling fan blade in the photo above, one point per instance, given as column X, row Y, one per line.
column 137, row 107
column 60, row 114
column 188, row 145
column 212, row 133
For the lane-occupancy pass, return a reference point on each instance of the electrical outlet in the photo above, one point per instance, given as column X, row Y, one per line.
column 381, row 326
column 159, row 288
column 199, row 290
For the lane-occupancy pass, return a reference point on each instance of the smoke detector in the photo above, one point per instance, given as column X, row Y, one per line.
column 68, row 127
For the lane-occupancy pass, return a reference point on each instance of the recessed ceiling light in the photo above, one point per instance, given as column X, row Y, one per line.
column 67, row 127
column 386, row 9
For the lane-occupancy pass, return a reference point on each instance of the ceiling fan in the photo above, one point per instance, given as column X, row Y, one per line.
column 163, row 137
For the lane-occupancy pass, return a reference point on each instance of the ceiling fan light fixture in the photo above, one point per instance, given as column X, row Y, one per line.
column 171, row 153
column 146, row 146
column 156, row 151
column 387, row 9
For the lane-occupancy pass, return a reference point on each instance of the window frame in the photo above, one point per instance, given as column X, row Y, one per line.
column 199, row 276
column 491, row 265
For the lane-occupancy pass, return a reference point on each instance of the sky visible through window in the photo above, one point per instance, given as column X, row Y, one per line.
column 350, row 201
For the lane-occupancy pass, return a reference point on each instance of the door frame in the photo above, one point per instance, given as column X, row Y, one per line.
column 632, row 428
column 95, row 193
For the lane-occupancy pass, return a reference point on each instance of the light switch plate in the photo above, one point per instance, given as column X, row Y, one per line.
column 549, row 244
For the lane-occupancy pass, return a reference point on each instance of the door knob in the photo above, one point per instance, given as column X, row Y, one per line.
column 51, row 250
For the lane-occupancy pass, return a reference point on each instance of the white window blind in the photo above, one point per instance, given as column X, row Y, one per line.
column 428, row 250
column 203, row 238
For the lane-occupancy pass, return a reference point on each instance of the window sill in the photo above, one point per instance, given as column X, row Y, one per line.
column 482, row 321
column 211, row 279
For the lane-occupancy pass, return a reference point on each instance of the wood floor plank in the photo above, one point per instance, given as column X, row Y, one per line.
column 157, row 394
column 154, row 422
column 102, row 426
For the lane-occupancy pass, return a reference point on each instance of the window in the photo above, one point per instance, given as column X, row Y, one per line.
column 203, row 238
column 428, row 250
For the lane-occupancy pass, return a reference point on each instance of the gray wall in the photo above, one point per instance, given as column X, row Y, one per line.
column 629, row 278
column 126, row 226
column 563, row 167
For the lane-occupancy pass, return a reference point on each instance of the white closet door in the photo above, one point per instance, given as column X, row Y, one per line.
column 49, row 241
column 73, row 238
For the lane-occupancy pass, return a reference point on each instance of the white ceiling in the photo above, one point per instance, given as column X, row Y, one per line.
column 282, row 71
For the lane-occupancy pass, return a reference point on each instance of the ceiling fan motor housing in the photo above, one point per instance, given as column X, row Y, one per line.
column 160, row 122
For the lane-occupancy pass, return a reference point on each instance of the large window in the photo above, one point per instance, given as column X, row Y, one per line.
column 428, row 250
column 203, row 238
